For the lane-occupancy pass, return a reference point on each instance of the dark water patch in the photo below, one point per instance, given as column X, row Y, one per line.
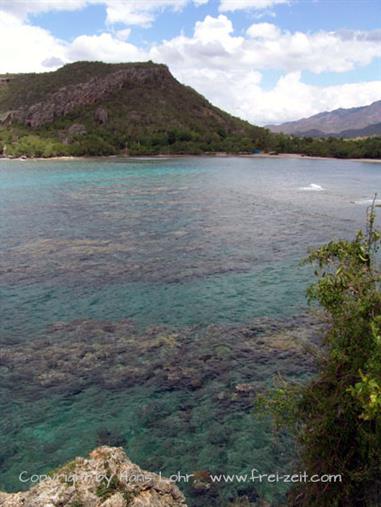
column 272, row 290
column 115, row 355
column 178, row 399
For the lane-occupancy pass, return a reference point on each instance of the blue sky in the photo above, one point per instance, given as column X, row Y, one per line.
column 303, row 15
column 263, row 60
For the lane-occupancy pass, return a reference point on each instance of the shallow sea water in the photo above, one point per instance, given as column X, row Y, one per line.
column 144, row 303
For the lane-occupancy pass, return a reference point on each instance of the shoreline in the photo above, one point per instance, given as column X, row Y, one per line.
column 181, row 155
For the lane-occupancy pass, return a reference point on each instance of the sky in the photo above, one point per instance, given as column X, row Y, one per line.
column 267, row 61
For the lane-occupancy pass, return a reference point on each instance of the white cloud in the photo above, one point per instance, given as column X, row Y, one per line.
column 21, row 8
column 292, row 99
column 235, row 5
column 136, row 12
column 27, row 48
column 123, row 34
column 227, row 68
column 263, row 31
column 128, row 12
column 215, row 30
column 223, row 66
column 104, row 47
column 317, row 52
column 267, row 47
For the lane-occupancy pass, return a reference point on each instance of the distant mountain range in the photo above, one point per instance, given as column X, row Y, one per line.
column 353, row 122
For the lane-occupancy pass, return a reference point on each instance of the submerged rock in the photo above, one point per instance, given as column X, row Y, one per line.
column 116, row 355
column 107, row 478
column 182, row 399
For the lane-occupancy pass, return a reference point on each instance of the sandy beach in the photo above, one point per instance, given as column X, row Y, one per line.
column 175, row 156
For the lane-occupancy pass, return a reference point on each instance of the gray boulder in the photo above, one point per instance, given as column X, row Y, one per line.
column 107, row 478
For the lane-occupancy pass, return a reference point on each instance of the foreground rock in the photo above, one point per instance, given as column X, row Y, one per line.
column 107, row 478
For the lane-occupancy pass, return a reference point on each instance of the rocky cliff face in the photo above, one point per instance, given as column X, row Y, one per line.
column 68, row 98
column 107, row 478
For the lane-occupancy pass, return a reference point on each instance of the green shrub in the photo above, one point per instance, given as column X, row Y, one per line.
column 336, row 417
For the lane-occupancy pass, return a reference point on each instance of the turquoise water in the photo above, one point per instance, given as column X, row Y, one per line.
column 141, row 251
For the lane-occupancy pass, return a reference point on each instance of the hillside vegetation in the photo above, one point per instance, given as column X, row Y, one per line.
column 93, row 108
column 98, row 109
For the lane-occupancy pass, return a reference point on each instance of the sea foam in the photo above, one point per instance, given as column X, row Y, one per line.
column 312, row 187
column 368, row 202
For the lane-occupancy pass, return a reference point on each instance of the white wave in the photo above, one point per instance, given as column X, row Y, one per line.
column 368, row 202
column 312, row 187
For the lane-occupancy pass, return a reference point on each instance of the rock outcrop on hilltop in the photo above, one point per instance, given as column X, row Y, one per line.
column 106, row 478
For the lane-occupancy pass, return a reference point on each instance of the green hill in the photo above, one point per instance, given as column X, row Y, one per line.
column 94, row 108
